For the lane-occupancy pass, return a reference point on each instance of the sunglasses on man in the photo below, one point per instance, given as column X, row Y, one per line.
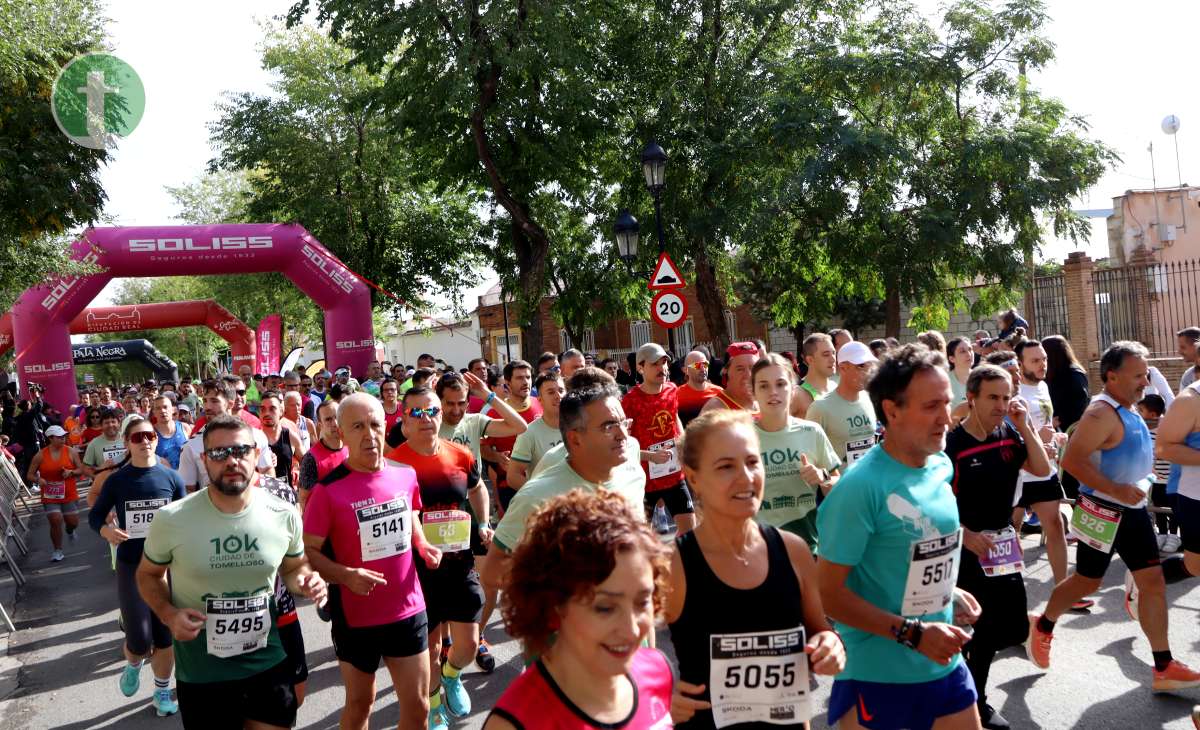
column 430, row 412
column 221, row 453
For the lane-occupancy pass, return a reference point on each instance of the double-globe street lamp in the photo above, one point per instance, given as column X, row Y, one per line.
column 654, row 167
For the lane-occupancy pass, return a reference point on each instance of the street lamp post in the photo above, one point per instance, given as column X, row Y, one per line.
column 654, row 168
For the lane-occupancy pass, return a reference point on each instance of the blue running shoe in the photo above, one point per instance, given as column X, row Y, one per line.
column 163, row 704
column 437, row 718
column 458, row 702
column 131, row 679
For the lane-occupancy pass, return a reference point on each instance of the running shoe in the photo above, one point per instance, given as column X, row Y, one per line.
column 1171, row 544
column 1131, row 596
column 71, row 535
column 991, row 718
column 131, row 679
column 1037, row 646
column 1082, row 604
column 1177, row 675
column 458, row 702
column 483, row 657
column 163, row 704
column 437, row 718
column 56, row 556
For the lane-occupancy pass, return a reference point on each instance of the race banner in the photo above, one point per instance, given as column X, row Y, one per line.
column 270, row 342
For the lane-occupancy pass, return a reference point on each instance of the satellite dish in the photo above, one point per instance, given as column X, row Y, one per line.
column 1170, row 124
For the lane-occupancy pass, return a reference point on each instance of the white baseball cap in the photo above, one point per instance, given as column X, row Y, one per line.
column 855, row 353
column 56, row 431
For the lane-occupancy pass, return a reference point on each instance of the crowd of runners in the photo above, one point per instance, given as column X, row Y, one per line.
column 855, row 513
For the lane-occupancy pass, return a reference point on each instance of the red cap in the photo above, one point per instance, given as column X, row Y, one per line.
column 741, row 348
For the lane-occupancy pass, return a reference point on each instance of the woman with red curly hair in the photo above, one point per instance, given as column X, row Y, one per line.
column 744, row 608
column 585, row 586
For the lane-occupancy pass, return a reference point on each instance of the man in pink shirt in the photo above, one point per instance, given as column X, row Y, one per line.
column 361, row 531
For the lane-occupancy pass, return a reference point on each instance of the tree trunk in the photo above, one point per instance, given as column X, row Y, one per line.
column 531, row 268
column 799, row 332
column 892, row 321
column 708, row 293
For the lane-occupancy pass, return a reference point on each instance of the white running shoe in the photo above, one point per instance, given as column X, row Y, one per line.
column 57, row 555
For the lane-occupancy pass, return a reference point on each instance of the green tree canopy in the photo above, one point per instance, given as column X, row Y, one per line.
column 918, row 158
column 318, row 151
column 49, row 185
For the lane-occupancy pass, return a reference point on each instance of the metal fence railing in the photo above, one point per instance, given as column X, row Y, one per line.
column 1050, row 307
column 1147, row 303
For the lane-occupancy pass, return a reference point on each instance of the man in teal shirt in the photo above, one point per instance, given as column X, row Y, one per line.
column 890, row 550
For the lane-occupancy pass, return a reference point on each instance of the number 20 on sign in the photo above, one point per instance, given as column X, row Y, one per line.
column 669, row 309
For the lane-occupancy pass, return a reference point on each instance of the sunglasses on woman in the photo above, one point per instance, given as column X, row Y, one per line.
column 141, row 437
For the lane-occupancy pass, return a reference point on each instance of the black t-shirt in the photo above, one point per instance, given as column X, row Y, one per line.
column 280, row 488
column 985, row 475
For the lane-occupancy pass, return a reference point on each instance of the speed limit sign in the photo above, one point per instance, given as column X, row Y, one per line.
column 669, row 309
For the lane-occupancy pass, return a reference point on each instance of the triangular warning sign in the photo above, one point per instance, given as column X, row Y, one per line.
column 666, row 274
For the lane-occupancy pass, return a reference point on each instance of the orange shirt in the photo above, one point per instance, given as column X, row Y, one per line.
column 52, row 471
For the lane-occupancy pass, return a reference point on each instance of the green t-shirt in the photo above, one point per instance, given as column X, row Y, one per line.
column 874, row 521
column 252, row 395
column 213, row 555
column 468, row 432
column 789, row 503
column 557, row 479
column 101, row 449
column 850, row 425
column 532, row 445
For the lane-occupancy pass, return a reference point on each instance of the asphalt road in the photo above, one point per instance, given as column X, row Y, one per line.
column 68, row 644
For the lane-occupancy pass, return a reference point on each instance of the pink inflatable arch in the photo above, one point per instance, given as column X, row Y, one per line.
column 43, row 314
column 159, row 315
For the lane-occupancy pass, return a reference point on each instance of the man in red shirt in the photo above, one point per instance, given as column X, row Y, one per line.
column 654, row 407
column 389, row 393
column 518, row 374
column 696, row 391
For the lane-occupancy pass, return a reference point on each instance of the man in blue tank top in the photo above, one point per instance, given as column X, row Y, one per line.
column 889, row 564
column 172, row 435
column 1112, row 456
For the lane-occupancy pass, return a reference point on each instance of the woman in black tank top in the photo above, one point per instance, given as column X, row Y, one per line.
column 744, row 611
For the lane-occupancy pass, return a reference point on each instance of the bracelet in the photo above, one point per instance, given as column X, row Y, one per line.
column 491, row 397
column 909, row 633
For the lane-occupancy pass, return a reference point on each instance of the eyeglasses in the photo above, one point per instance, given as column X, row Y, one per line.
column 430, row 412
column 611, row 427
column 221, row 453
column 240, row 392
column 141, row 437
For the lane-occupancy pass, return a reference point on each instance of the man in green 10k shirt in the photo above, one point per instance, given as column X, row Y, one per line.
column 223, row 546
column 846, row 414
